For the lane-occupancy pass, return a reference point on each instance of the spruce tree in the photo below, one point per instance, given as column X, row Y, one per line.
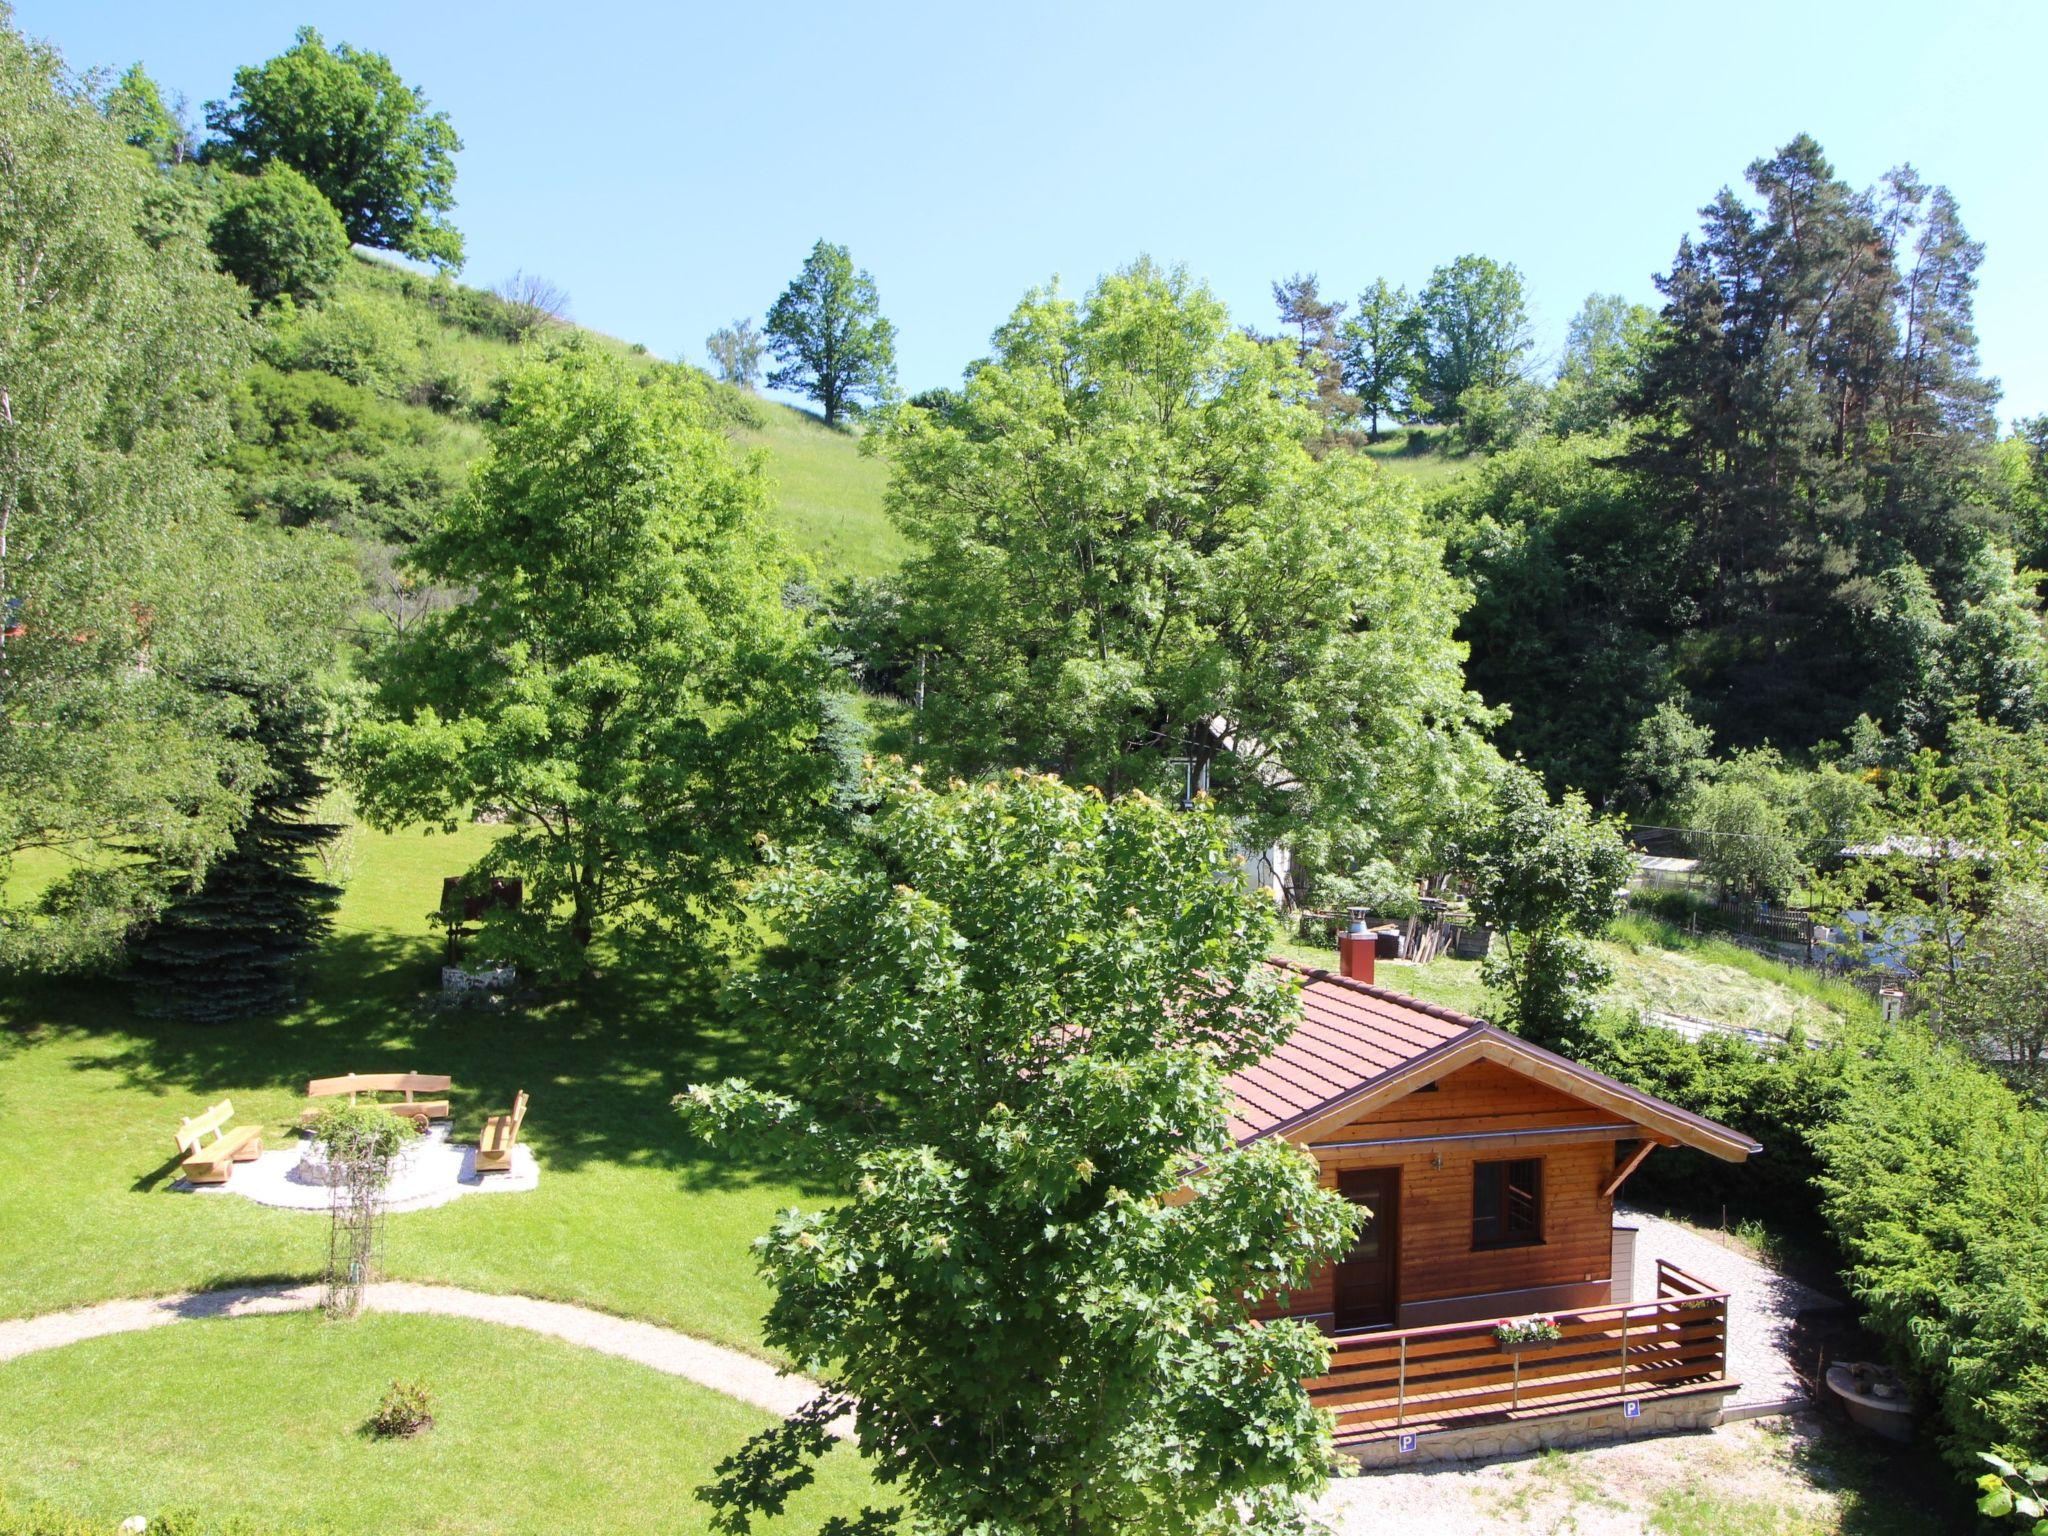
column 225, row 947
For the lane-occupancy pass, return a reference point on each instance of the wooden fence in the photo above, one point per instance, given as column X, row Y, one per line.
column 1383, row 1381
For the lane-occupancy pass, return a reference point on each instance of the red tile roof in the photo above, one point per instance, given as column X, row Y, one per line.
column 1350, row 1033
column 1353, row 1033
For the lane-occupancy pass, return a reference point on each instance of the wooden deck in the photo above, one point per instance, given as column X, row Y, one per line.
column 1420, row 1379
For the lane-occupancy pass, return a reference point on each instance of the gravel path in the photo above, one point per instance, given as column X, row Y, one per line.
column 1761, row 1303
column 661, row 1349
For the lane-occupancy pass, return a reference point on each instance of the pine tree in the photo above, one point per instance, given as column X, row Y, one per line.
column 1317, row 345
column 225, row 947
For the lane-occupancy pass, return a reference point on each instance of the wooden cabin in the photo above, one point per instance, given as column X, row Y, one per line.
column 1489, row 1168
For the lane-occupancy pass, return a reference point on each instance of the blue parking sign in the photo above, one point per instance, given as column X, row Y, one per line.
column 1407, row 1445
column 1631, row 1409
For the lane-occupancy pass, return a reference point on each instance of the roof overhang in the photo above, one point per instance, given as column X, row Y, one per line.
column 1486, row 1042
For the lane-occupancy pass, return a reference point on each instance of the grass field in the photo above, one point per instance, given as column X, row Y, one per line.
column 629, row 1217
column 262, row 1418
column 1427, row 455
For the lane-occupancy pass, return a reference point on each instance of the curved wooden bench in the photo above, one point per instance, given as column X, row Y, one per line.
column 210, row 1161
column 418, row 1110
column 501, row 1135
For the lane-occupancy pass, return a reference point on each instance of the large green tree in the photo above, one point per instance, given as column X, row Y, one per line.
column 1471, row 331
column 626, row 683
column 136, row 107
column 346, row 121
column 1014, row 1004
column 1378, row 348
column 829, row 335
column 1130, row 568
column 1605, row 347
column 124, row 583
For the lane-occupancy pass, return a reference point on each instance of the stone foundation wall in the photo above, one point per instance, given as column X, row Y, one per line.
column 1601, row 1425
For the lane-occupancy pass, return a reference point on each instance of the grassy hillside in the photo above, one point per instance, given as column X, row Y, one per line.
column 1658, row 967
column 366, row 414
column 828, row 494
column 1426, row 455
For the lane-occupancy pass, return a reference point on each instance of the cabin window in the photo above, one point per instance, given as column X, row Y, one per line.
column 1507, row 1203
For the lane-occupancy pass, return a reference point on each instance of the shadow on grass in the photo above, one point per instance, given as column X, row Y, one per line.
column 602, row 1061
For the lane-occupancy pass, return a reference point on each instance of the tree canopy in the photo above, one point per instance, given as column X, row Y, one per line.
column 1471, row 329
column 626, row 680
column 124, row 583
column 1014, row 1003
column 829, row 335
column 279, row 237
column 346, row 121
column 1130, row 568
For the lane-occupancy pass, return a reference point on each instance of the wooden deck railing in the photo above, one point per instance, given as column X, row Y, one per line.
column 1385, row 1381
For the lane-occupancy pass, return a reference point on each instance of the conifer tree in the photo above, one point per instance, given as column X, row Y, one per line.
column 225, row 947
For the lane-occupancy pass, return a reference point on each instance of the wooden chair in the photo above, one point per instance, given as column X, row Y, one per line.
column 209, row 1161
column 501, row 1135
column 419, row 1111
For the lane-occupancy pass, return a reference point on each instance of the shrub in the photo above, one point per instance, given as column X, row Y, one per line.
column 1935, row 1182
column 279, row 237
column 407, row 1409
column 361, row 339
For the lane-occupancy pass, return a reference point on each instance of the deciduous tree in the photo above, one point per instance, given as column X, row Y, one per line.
column 1545, row 875
column 124, row 582
column 1014, row 1004
column 1471, row 331
column 345, row 120
column 1130, row 568
column 828, row 333
column 1379, row 352
column 736, row 351
column 626, row 683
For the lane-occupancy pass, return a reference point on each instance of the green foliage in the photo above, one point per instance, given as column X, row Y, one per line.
column 135, row 106
column 736, row 352
column 1546, row 876
column 1569, row 580
column 2019, row 1493
column 122, row 580
column 828, row 334
column 345, row 120
column 279, row 237
column 1471, row 330
column 626, row 683
column 1745, row 840
column 1015, row 1003
column 227, row 944
column 361, row 1133
column 1497, row 416
column 1128, row 562
column 359, row 338
column 406, row 1409
column 1996, row 1006
column 1378, row 352
column 1669, row 755
column 1605, row 347
column 312, row 449
column 1935, row 1184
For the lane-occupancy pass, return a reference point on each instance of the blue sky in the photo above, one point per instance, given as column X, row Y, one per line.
column 669, row 165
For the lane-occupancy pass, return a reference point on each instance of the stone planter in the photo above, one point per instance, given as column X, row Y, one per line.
column 1873, row 1398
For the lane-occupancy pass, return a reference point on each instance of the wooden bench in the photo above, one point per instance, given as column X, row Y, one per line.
column 209, row 1161
column 501, row 1135
column 418, row 1110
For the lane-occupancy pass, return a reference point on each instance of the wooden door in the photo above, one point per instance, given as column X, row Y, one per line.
column 1367, row 1276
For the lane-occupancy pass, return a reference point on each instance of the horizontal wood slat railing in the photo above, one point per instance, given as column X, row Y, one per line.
column 1381, row 1381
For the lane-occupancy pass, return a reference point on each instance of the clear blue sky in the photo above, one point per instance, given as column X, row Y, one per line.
column 669, row 164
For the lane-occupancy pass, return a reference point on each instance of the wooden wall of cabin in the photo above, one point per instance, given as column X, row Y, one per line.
column 1442, row 1278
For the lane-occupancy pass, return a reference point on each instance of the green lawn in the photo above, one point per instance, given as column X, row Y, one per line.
column 828, row 495
column 1426, row 455
column 628, row 1217
column 262, row 1418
